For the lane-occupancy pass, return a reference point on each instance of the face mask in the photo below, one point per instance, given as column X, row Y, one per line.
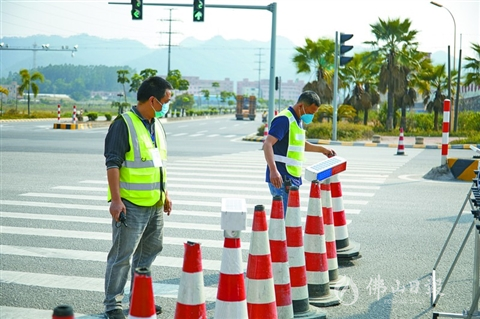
column 163, row 111
column 306, row 118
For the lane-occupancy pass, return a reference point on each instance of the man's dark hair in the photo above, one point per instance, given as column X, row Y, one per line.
column 153, row 86
column 309, row 97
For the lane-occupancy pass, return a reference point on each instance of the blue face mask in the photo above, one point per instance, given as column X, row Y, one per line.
column 306, row 118
column 163, row 111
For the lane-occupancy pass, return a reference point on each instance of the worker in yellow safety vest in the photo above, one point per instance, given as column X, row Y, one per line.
column 135, row 157
column 285, row 145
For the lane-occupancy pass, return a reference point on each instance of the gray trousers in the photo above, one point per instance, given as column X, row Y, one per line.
column 139, row 243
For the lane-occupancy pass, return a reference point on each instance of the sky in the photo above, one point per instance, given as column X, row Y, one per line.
column 296, row 20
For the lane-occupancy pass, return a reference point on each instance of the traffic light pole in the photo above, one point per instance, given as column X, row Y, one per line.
column 335, row 89
column 271, row 7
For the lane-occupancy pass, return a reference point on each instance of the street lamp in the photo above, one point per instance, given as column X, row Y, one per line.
column 454, row 30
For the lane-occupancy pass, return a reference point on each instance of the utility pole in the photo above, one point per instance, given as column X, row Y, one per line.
column 169, row 45
column 259, row 72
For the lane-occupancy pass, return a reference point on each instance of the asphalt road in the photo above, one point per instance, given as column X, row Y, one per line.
column 55, row 224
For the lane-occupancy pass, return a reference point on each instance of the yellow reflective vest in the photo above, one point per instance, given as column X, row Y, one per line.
column 296, row 146
column 140, row 181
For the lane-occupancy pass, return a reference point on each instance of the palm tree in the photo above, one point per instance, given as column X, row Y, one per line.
column 122, row 79
column 473, row 67
column 216, row 85
column 28, row 83
column 434, row 93
column 206, row 95
column 364, row 95
column 394, row 44
column 317, row 57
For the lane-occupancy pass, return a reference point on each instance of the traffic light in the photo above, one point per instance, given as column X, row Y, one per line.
column 198, row 10
column 137, row 8
column 345, row 48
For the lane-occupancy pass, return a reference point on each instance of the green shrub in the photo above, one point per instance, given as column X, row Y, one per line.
column 92, row 116
column 108, row 116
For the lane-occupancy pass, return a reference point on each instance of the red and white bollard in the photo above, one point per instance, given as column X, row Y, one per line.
column 445, row 130
column 58, row 113
column 74, row 114
column 401, row 146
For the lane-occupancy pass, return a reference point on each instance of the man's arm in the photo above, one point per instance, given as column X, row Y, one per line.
column 116, row 205
column 275, row 177
column 309, row 147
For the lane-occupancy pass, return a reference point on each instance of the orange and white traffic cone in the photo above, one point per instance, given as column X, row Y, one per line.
column 316, row 253
column 259, row 283
column 142, row 303
column 336, row 281
column 231, row 298
column 191, row 298
column 346, row 249
column 401, row 146
column 63, row 312
column 296, row 259
column 278, row 251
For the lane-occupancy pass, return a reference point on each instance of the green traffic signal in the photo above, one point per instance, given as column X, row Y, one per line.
column 198, row 10
column 137, row 8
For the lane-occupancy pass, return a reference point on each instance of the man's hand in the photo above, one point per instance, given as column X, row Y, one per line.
column 116, row 207
column 167, row 205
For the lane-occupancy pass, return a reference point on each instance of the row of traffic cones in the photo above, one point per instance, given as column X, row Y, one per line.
column 284, row 277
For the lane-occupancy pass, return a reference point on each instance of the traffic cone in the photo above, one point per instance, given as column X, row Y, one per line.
column 142, row 303
column 191, row 298
column 259, row 283
column 316, row 253
column 63, row 312
column 400, row 147
column 278, row 249
column 336, row 281
column 231, row 298
column 346, row 249
column 296, row 259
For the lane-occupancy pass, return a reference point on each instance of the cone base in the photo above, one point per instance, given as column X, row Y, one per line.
column 400, row 153
column 325, row 301
column 311, row 313
column 351, row 252
column 340, row 283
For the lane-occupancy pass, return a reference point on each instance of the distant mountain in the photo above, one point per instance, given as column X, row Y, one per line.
column 216, row 58
column 213, row 59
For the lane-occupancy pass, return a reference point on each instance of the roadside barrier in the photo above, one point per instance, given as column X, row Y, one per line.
column 58, row 113
column 315, row 253
column 336, row 281
column 63, row 312
column 346, row 249
column 142, row 303
column 445, row 130
column 401, row 146
column 191, row 297
column 260, row 287
column 296, row 259
column 74, row 120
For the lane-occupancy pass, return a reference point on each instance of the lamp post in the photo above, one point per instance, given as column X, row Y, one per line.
column 454, row 30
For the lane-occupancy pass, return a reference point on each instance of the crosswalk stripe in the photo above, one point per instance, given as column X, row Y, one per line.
column 76, row 234
column 89, row 284
column 98, row 256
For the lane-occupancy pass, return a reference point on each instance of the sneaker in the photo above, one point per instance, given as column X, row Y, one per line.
column 115, row 314
column 158, row 309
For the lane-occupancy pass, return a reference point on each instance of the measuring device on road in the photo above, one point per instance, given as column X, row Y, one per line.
column 325, row 169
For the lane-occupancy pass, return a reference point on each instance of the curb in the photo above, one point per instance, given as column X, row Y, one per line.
column 71, row 126
column 254, row 138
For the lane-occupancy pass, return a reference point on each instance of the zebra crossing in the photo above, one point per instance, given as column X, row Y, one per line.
column 68, row 227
